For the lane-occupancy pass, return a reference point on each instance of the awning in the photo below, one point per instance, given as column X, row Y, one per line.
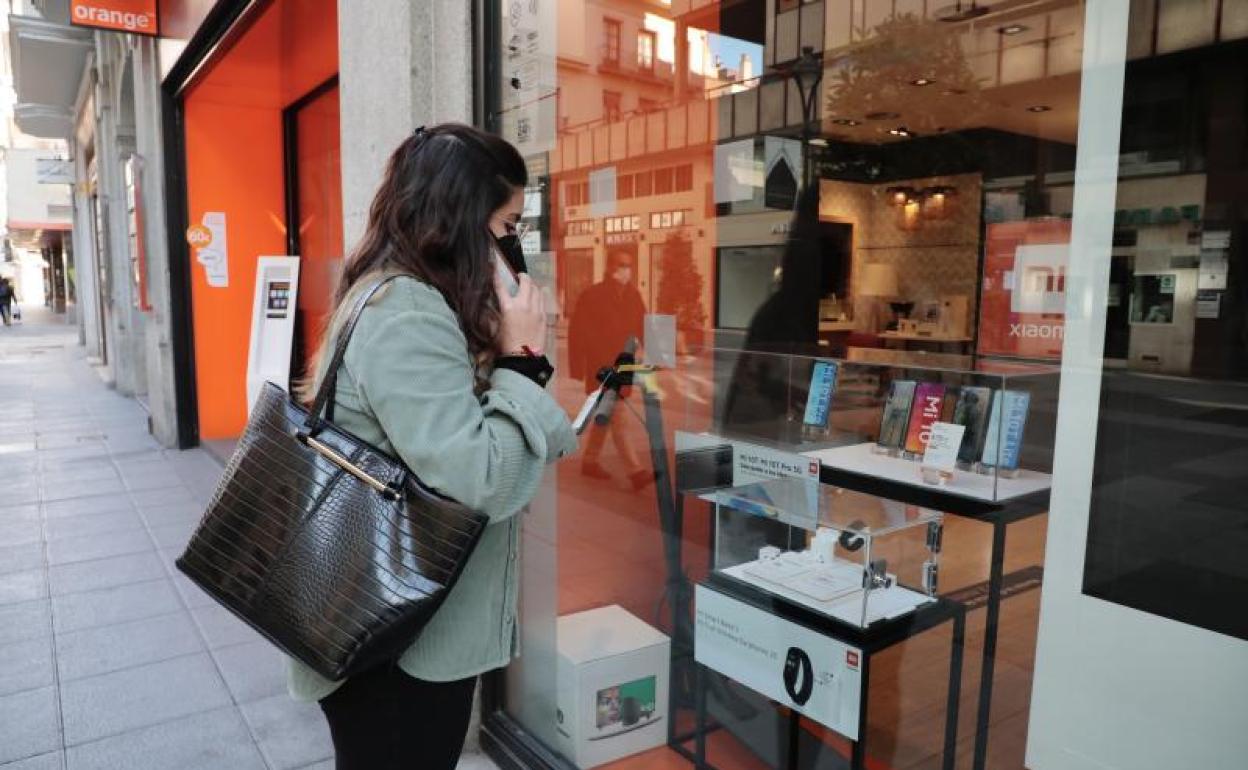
column 48, row 62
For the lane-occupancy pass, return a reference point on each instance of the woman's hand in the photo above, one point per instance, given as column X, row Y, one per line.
column 524, row 316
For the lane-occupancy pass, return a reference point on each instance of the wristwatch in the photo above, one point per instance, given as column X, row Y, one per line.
column 799, row 675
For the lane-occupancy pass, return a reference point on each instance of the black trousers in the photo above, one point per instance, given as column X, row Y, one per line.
column 384, row 719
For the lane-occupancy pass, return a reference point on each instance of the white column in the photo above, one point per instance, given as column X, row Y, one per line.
column 157, row 341
column 1114, row 687
column 402, row 65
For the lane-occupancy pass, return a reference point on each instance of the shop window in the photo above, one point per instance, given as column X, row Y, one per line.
column 624, row 186
column 645, row 50
column 576, row 193
column 1152, row 299
column 684, row 178
column 579, row 227
column 663, row 181
column 611, row 42
column 611, row 101
column 644, row 184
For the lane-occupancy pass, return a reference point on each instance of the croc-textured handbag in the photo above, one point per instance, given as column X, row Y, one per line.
column 330, row 548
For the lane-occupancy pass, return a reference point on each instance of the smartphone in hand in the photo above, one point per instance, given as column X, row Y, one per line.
column 509, row 277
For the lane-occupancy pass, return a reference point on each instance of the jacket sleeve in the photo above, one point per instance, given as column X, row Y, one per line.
column 414, row 373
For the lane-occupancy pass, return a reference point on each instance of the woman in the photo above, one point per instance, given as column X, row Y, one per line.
column 444, row 370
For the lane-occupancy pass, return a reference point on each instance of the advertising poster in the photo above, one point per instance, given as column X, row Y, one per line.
column 528, row 74
column 814, row 674
column 208, row 239
column 1022, row 313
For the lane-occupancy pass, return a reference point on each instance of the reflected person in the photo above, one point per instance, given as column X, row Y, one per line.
column 607, row 315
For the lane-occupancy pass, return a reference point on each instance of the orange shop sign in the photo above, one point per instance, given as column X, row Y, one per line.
column 137, row 16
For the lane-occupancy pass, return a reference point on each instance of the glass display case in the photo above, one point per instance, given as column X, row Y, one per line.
column 849, row 556
column 875, row 417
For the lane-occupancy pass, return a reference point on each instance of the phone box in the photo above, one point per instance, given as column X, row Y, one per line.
column 612, row 686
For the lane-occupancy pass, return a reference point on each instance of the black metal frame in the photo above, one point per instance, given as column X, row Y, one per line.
column 290, row 159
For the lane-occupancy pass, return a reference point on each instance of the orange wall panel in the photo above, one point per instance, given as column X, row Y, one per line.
column 234, row 165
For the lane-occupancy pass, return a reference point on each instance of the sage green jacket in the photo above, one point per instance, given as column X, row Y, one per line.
column 406, row 386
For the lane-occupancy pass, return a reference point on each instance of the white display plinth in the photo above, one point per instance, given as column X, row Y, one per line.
column 884, row 603
column 860, row 458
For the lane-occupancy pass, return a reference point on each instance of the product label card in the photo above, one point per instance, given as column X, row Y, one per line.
column 943, row 442
column 929, row 400
column 752, row 463
column 791, row 664
column 819, row 400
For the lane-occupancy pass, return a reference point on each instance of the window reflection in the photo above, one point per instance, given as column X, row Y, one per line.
column 919, row 210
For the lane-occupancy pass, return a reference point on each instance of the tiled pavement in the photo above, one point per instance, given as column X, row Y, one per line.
column 109, row 658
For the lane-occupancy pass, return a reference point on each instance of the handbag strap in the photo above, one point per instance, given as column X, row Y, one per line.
column 324, row 400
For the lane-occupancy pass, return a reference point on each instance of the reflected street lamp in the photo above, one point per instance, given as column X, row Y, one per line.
column 807, row 72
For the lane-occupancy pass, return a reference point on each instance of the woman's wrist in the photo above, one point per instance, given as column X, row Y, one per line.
column 532, row 351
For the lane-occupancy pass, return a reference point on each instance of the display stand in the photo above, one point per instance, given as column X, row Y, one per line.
column 875, row 638
column 689, row 678
column 999, row 513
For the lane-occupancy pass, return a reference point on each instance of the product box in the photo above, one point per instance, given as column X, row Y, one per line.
column 612, row 686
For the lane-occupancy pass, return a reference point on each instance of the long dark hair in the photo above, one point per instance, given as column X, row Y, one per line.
column 430, row 219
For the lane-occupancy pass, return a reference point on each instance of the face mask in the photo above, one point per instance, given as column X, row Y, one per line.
column 509, row 246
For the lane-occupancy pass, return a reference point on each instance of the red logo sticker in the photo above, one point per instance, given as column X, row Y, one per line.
column 814, row 467
column 851, row 659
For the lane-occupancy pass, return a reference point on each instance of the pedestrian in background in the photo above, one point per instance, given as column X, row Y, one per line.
column 445, row 371
column 6, row 300
column 607, row 315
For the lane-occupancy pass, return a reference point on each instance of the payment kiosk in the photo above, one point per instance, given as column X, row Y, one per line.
column 272, row 325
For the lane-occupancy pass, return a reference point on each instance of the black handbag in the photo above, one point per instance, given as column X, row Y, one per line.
column 328, row 547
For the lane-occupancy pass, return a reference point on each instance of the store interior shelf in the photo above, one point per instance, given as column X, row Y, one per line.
column 859, row 458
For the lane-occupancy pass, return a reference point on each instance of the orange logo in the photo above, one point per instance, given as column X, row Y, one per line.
column 137, row 16
column 199, row 236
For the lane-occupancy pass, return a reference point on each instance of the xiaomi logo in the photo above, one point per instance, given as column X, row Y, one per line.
column 137, row 16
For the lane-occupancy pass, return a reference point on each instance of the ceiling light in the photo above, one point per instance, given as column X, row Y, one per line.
column 922, row 82
column 901, row 195
column 1039, row 108
column 900, row 131
column 846, row 122
column 1012, row 29
column 819, row 141
column 882, row 115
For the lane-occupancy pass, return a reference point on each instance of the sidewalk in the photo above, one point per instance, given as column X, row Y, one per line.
column 108, row 657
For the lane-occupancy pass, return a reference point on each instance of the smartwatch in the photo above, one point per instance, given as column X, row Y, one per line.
column 799, row 676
